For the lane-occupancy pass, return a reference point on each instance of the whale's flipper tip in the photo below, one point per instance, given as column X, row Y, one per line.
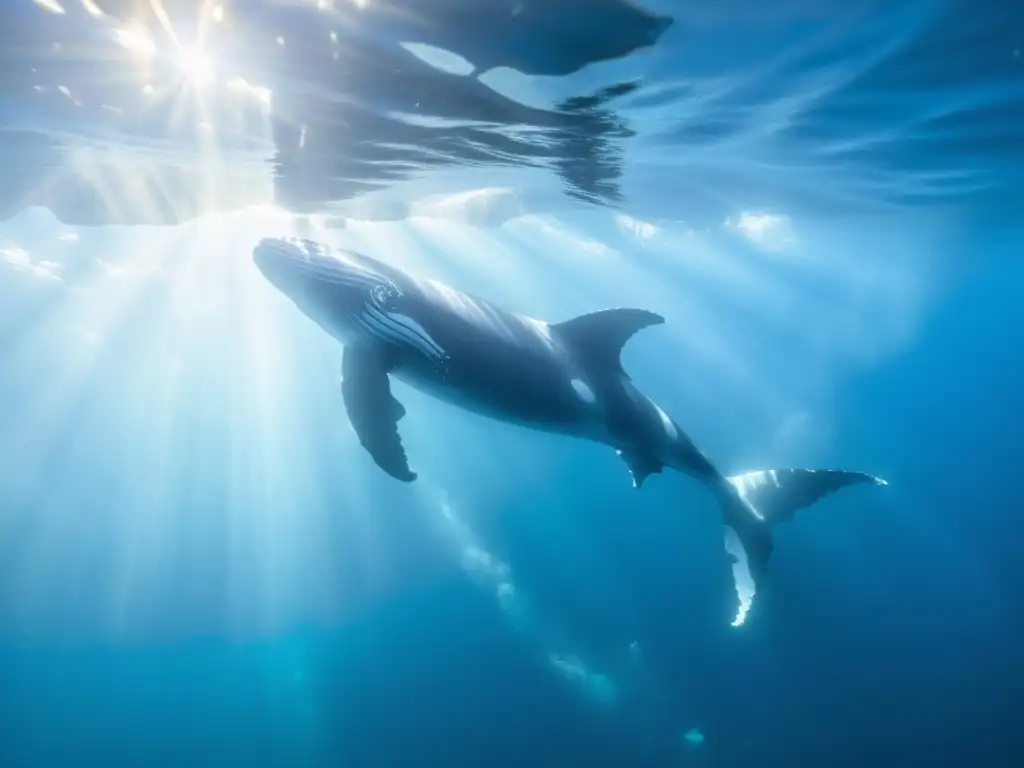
column 373, row 411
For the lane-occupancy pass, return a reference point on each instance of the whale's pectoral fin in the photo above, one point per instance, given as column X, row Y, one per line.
column 373, row 410
column 598, row 337
column 641, row 466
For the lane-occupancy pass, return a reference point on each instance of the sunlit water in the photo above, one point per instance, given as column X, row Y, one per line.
column 198, row 561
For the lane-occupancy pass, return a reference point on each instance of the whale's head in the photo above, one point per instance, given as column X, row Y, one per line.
column 335, row 288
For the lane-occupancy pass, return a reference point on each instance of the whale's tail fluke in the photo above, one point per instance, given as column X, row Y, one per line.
column 752, row 503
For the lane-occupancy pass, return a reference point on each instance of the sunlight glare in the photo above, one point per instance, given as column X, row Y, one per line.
column 196, row 65
column 136, row 41
column 50, row 5
column 769, row 231
column 259, row 93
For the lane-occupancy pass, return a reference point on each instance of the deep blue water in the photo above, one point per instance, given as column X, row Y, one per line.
column 200, row 565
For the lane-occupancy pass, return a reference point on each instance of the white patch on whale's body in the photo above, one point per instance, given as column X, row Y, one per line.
column 585, row 393
column 666, row 422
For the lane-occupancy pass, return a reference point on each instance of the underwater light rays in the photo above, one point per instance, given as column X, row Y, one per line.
column 275, row 491
column 292, row 377
column 478, row 257
column 48, row 433
column 85, row 317
column 142, row 549
column 249, row 508
column 481, row 260
column 269, row 443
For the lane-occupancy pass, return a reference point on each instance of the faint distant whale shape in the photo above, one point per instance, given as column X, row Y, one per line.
column 563, row 377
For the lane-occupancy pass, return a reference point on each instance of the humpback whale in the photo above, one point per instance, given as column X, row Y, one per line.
column 563, row 377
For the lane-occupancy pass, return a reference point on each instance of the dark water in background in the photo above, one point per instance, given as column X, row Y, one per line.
column 197, row 563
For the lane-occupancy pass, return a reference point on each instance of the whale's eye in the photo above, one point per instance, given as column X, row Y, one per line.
column 382, row 294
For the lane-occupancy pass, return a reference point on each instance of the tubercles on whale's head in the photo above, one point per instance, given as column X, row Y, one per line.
column 329, row 285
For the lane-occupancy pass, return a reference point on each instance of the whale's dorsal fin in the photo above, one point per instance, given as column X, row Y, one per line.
column 600, row 336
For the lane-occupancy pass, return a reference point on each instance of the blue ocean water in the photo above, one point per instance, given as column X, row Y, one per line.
column 200, row 565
